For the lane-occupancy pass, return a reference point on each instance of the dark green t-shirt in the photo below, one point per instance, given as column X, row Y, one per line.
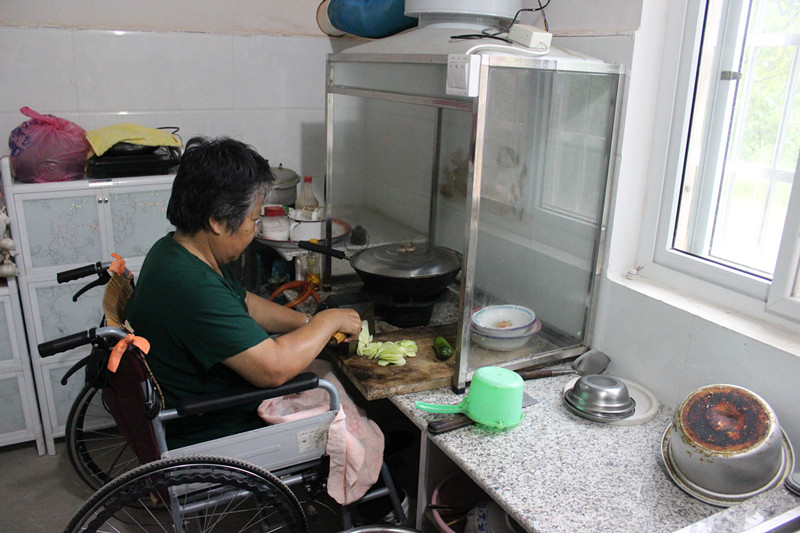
column 194, row 318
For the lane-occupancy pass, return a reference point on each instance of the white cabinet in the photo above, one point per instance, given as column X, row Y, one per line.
column 66, row 225
column 19, row 416
column 81, row 222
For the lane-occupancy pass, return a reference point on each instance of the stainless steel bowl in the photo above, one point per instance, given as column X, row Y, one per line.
column 601, row 396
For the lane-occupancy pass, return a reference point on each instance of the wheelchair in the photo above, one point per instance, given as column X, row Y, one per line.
column 244, row 482
column 95, row 448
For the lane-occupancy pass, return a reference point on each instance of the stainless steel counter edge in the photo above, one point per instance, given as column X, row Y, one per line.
column 557, row 472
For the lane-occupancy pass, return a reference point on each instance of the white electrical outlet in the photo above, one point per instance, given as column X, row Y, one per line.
column 463, row 74
column 530, row 36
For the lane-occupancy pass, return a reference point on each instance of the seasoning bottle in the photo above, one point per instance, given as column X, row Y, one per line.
column 275, row 223
column 306, row 201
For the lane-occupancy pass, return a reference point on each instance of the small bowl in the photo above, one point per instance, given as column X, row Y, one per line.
column 726, row 442
column 601, row 396
column 503, row 321
column 505, row 344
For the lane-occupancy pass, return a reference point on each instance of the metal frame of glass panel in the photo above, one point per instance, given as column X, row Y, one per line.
column 434, row 96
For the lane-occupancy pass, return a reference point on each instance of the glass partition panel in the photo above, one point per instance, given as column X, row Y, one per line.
column 545, row 162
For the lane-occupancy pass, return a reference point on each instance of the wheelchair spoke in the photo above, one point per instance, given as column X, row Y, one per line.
column 96, row 449
column 198, row 494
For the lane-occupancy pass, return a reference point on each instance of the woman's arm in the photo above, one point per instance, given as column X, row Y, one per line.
column 277, row 360
column 273, row 317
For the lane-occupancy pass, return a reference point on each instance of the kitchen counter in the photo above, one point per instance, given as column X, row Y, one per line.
column 559, row 472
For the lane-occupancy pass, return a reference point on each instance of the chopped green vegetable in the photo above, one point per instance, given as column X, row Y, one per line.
column 442, row 349
column 386, row 353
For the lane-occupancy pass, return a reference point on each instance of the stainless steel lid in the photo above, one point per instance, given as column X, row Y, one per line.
column 284, row 177
column 407, row 260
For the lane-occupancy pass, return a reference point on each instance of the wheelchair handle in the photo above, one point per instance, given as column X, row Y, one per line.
column 46, row 349
column 108, row 333
column 81, row 272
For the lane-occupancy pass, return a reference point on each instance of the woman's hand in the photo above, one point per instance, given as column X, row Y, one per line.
column 344, row 320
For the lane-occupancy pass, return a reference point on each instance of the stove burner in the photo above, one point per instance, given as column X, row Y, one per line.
column 402, row 311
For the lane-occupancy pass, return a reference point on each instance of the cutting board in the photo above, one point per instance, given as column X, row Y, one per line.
column 423, row 372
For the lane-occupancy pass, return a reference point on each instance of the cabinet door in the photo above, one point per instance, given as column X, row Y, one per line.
column 15, row 425
column 138, row 217
column 18, row 410
column 58, row 230
column 9, row 356
column 55, row 315
column 59, row 398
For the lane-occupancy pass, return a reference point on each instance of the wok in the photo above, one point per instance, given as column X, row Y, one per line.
column 411, row 270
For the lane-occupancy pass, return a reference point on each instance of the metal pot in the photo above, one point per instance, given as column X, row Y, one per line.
column 725, row 444
column 412, row 270
column 284, row 188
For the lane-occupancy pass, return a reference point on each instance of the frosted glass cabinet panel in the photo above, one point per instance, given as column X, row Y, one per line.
column 56, row 315
column 59, row 231
column 76, row 227
column 19, row 419
column 136, row 216
column 12, row 419
column 514, row 178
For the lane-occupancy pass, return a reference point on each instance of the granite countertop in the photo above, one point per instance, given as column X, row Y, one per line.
column 557, row 472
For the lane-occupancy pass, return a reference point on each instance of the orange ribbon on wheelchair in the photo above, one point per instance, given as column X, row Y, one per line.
column 116, row 354
column 118, row 265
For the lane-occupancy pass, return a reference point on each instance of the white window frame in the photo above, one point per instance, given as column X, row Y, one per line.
column 749, row 295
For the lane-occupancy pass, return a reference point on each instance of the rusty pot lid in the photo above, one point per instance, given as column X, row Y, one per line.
column 725, row 419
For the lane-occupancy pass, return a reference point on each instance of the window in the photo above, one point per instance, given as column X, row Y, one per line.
column 734, row 218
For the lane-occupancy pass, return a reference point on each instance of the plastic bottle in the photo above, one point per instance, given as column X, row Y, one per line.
column 306, row 201
column 275, row 224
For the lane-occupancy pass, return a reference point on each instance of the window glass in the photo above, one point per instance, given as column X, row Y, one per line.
column 744, row 136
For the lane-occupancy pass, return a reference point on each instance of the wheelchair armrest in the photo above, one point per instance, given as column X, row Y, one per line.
column 217, row 401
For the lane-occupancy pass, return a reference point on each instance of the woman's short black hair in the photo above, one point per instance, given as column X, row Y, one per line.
column 218, row 179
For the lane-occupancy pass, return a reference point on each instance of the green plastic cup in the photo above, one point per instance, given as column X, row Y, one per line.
column 494, row 399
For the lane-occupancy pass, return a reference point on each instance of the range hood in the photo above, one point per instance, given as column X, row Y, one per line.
column 440, row 20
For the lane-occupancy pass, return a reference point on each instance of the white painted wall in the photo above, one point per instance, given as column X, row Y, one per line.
column 276, row 17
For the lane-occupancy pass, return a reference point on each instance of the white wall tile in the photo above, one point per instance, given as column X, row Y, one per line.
column 38, row 71
column 147, row 71
column 294, row 137
column 280, row 72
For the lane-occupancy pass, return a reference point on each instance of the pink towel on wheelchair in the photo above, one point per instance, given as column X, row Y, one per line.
column 355, row 443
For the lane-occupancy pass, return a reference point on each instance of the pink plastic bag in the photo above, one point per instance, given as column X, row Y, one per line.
column 47, row 148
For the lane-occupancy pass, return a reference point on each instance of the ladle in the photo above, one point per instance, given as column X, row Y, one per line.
column 591, row 362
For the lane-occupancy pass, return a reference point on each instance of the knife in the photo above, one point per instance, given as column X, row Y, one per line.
column 458, row 420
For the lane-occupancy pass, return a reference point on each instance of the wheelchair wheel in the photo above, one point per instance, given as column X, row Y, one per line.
column 193, row 494
column 95, row 447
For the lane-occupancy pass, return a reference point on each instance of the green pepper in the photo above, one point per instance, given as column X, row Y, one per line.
column 442, row 349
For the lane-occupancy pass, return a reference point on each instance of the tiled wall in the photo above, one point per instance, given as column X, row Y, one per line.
column 265, row 90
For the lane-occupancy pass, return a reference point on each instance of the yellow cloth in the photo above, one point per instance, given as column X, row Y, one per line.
column 104, row 138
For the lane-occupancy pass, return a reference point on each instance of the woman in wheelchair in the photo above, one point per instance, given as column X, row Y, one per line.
column 208, row 334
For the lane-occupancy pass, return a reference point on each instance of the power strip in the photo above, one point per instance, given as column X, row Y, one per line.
column 530, row 36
